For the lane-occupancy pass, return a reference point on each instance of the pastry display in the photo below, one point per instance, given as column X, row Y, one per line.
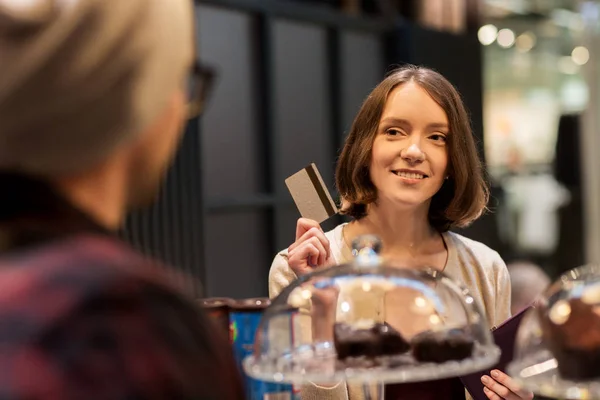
column 368, row 340
column 571, row 329
column 442, row 345
column 557, row 346
column 371, row 321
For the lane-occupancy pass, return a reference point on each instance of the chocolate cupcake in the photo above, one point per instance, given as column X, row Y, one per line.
column 374, row 341
column 443, row 345
column 571, row 330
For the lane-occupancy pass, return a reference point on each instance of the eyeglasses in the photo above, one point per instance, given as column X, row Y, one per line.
column 199, row 86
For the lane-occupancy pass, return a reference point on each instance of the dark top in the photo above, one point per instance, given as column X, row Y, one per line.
column 82, row 316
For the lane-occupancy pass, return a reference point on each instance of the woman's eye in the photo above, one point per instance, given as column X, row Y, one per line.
column 438, row 137
column 393, row 132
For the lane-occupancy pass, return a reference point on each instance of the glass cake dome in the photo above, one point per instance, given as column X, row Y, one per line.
column 371, row 321
column 557, row 349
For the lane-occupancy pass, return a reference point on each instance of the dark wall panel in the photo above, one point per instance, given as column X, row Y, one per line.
column 237, row 254
column 362, row 65
column 302, row 118
column 302, row 121
column 232, row 165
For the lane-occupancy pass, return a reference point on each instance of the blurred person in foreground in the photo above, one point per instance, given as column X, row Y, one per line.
column 93, row 99
column 528, row 281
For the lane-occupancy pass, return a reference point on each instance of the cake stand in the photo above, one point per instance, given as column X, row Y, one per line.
column 312, row 371
column 539, row 374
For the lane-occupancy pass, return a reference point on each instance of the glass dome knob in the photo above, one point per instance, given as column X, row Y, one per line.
column 367, row 249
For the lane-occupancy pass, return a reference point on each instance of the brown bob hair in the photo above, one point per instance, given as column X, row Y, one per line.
column 463, row 196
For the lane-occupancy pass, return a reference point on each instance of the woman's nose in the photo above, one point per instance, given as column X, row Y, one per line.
column 413, row 153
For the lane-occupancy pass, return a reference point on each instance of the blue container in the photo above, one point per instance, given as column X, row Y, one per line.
column 245, row 316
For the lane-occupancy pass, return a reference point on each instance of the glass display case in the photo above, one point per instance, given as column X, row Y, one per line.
column 371, row 321
column 557, row 351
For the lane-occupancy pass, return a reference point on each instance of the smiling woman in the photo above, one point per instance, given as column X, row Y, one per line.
column 409, row 128
column 408, row 173
column 416, row 103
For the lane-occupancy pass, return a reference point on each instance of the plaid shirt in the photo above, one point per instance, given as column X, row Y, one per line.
column 84, row 317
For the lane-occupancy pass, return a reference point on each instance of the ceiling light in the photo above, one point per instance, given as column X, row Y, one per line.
column 525, row 42
column 506, row 38
column 487, row 34
column 580, row 55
